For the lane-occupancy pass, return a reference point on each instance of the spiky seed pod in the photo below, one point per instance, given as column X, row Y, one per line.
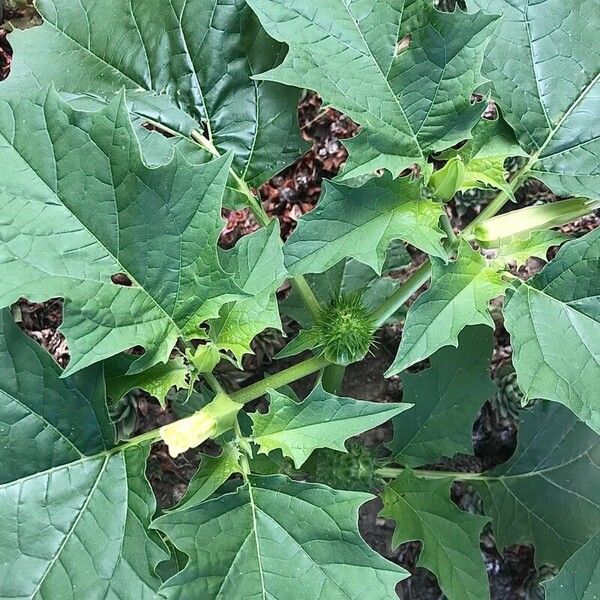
column 344, row 330
column 354, row 471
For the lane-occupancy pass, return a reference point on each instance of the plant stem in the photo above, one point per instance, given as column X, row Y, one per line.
column 255, row 205
column 332, row 378
column 149, row 436
column 277, row 380
column 402, row 294
column 307, row 295
column 213, row 383
column 253, row 202
column 392, row 473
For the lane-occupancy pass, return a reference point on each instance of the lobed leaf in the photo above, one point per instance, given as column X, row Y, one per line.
column 323, row 420
column 284, row 539
column 213, row 472
column 79, row 206
column 361, row 222
column 447, row 398
column 74, row 513
column 409, row 102
column 554, row 323
column 548, row 493
column 181, row 63
column 544, row 68
column 520, row 248
column 156, row 380
column 422, row 510
column 459, row 296
column 257, row 264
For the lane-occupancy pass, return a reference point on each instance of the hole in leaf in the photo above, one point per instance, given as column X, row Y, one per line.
column 41, row 321
column 152, row 127
column 403, row 44
column 121, row 279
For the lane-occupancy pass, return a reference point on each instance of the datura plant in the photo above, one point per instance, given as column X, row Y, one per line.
column 126, row 128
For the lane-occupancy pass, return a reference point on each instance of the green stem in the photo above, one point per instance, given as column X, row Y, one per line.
column 253, row 202
column 402, row 294
column 392, row 473
column 255, row 205
column 277, row 380
column 307, row 295
column 213, row 383
column 332, row 378
column 149, row 436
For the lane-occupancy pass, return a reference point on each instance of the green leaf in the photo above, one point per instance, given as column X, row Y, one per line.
column 422, row 510
column 74, row 513
column 579, row 579
column 78, row 531
column 446, row 398
column 158, row 226
column 548, row 494
column 409, row 102
column 520, row 248
column 554, row 324
column 257, row 264
column 181, row 63
column 550, row 48
column 156, row 380
column 214, row 471
column 45, row 421
column 266, row 532
column 321, row 421
column 459, row 296
column 360, row 223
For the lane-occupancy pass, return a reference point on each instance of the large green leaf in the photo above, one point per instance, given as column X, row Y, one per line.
column 360, row 223
column 74, row 514
column 410, row 102
column 257, row 264
column 459, row 296
column 281, row 539
column 554, row 323
column 181, row 62
column 548, row 494
column 579, row 579
column 446, row 398
column 45, row 421
column 544, row 65
column 321, row 421
column 422, row 510
column 79, row 206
